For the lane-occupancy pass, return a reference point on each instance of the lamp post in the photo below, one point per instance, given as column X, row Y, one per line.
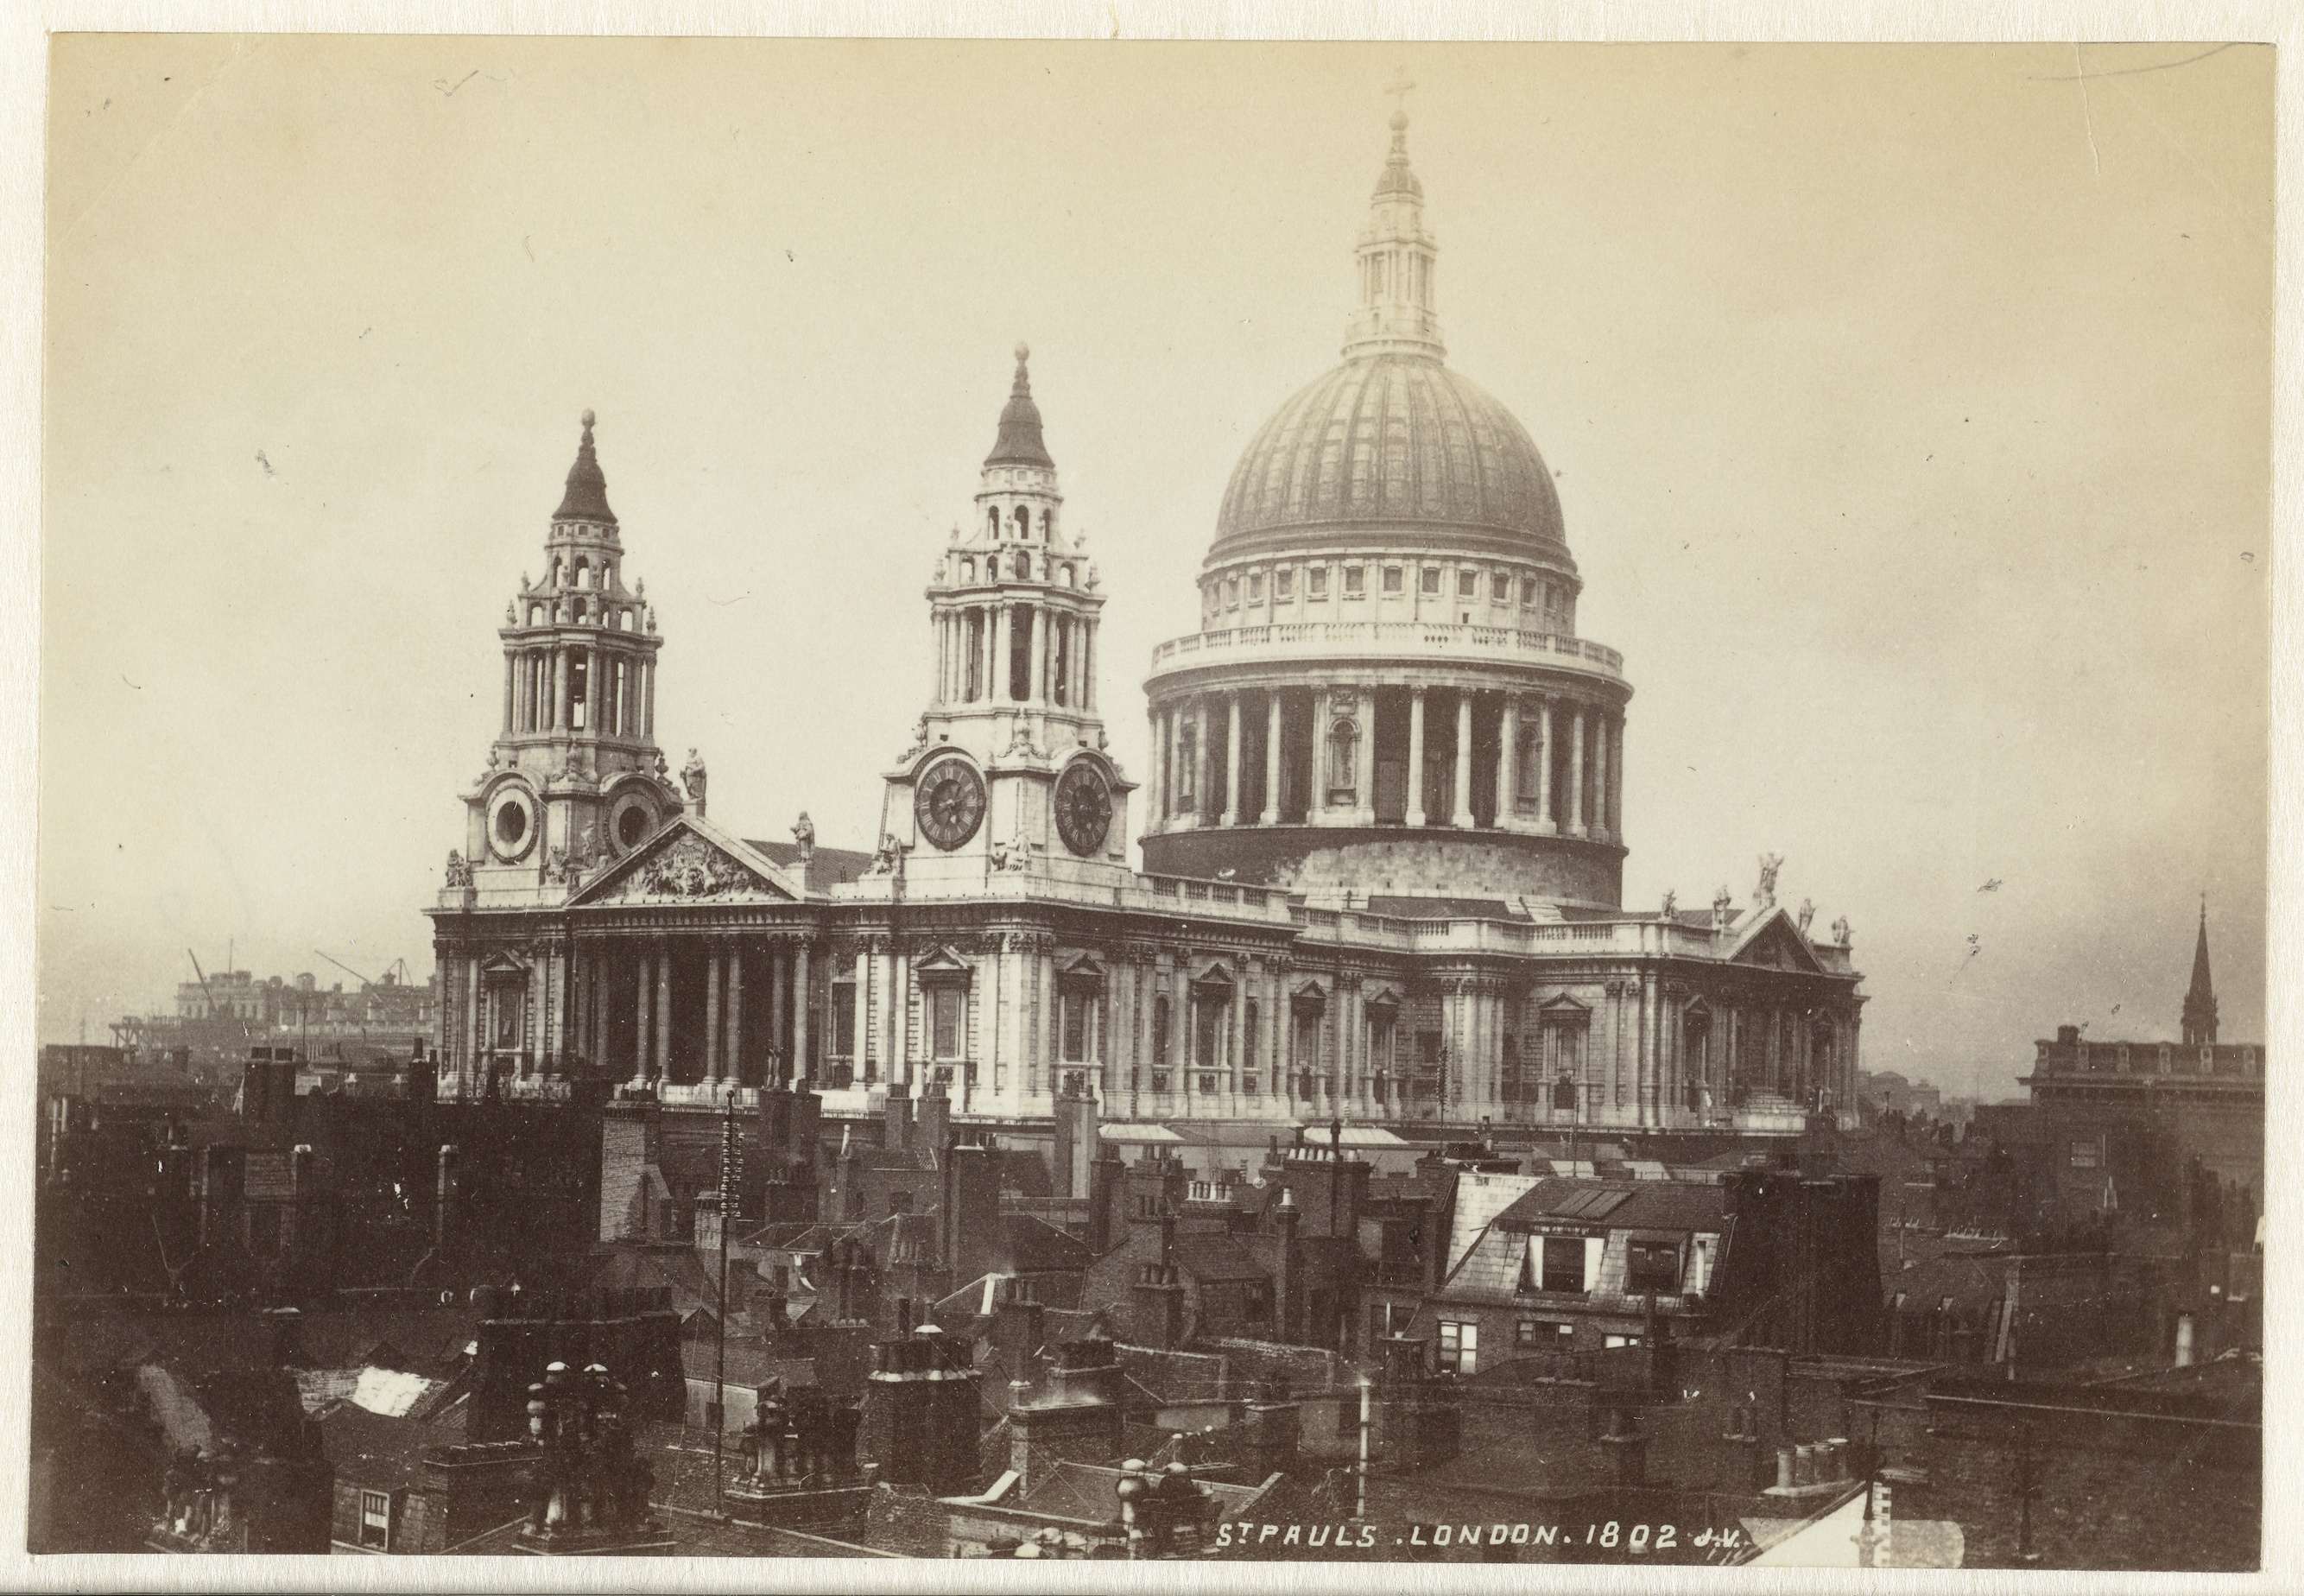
column 1359, row 1502
column 731, row 1156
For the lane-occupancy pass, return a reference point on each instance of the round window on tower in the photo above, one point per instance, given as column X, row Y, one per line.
column 511, row 824
column 630, row 822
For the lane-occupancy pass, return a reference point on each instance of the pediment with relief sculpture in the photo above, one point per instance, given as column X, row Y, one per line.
column 684, row 866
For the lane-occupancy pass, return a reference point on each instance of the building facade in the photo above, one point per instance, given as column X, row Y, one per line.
column 2129, row 1113
column 1382, row 823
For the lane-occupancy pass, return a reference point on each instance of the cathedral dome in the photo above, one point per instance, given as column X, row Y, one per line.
column 1392, row 441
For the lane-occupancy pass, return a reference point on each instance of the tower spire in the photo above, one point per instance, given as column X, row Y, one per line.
column 1395, row 255
column 2200, row 1000
column 587, row 495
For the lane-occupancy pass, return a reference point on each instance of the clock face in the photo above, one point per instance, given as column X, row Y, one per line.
column 1083, row 808
column 950, row 803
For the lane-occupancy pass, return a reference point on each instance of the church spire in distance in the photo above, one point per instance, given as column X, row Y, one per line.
column 1393, row 314
column 2200, row 1001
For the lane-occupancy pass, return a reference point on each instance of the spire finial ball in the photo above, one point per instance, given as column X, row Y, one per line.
column 1023, row 353
column 588, row 419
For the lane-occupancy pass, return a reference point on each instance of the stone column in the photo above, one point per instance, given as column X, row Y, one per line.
column 1035, row 690
column 1364, row 764
column 1000, row 681
column 900, row 1017
column 1271, row 815
column 1462, row 816
column 1237, row 1065
column 1200, row 757
column 643, row 1032
column 1044, row 1006
column 508, row 674
column 559, row 690
column 1616, row 779
column 772, row 1075
column 857, row 1058
column 712, row 960
column 1231, row 759
column 1507, row 761
column 801, row 1006
column 1168, row 764
column 735, row 1071
column 1415, row 756
column 1156, row 787
column 648, row 708
column 1324, row 716
column 1603, row 822
column 664, row 1009
column 1543, row 820
column 1284, row 1036
column 1575, row 826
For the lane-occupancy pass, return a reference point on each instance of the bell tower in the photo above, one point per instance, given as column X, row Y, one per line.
column 574, row 776
column 1008, row 771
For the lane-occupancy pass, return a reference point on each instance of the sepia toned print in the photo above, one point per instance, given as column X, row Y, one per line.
column 1615, row 918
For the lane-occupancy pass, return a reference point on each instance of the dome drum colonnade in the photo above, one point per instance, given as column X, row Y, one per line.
column 1388, row 639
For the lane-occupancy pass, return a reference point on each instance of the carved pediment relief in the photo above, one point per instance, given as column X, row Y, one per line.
column 686, row 868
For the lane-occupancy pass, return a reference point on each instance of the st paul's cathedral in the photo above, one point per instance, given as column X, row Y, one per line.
column 1382, row 823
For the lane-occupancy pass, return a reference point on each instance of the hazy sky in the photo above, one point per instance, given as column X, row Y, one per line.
column 1910, row 408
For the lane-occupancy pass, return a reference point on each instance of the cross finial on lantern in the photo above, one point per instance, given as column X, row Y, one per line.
column 1398, row 88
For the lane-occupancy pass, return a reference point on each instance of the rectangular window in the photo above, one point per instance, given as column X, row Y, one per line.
column 1231, row 592
column 1247, row 1048
column 1563, row 1263
column 1460, row 1346
column 1468, row 584
column 1652, row 1266
column 1392, row 579
column 1432, row 580
column 1206, row 1015
column 1501, row 589
column 1546, row 1334
column 1307, row 1044
column 1355, row 581
column 1315, row 584
column 1617, row 1340
column 1256, row 587
column 1075, row 1007
column 1284, row 584
column 900, row 1202
column 1528, row 592
column 947, row 1006
column 376, row 1520
column 844, row 1019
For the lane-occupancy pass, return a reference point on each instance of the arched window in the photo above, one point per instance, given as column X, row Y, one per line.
column 1343, row 756
column 583, row 573
column 991, row 520
column 1023, row 562
column 1023, row 521
column 535, row 614
column 968, row 570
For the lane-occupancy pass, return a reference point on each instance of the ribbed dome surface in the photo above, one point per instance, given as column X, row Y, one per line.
column 1395, row 440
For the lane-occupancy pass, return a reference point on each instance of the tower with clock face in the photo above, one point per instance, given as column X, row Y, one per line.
column 574, row 777
column 1008, row 771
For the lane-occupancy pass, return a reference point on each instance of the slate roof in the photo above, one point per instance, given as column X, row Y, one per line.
column 378, row 1450
column 1639, row 1205
column 1034, row 1247
column 827, row 868
column 1216, row 1258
